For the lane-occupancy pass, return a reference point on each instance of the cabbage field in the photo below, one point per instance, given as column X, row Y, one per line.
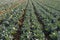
column 29, row 19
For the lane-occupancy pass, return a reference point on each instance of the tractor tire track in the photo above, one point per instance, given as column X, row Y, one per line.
column 46, row 33
column 20, row 23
